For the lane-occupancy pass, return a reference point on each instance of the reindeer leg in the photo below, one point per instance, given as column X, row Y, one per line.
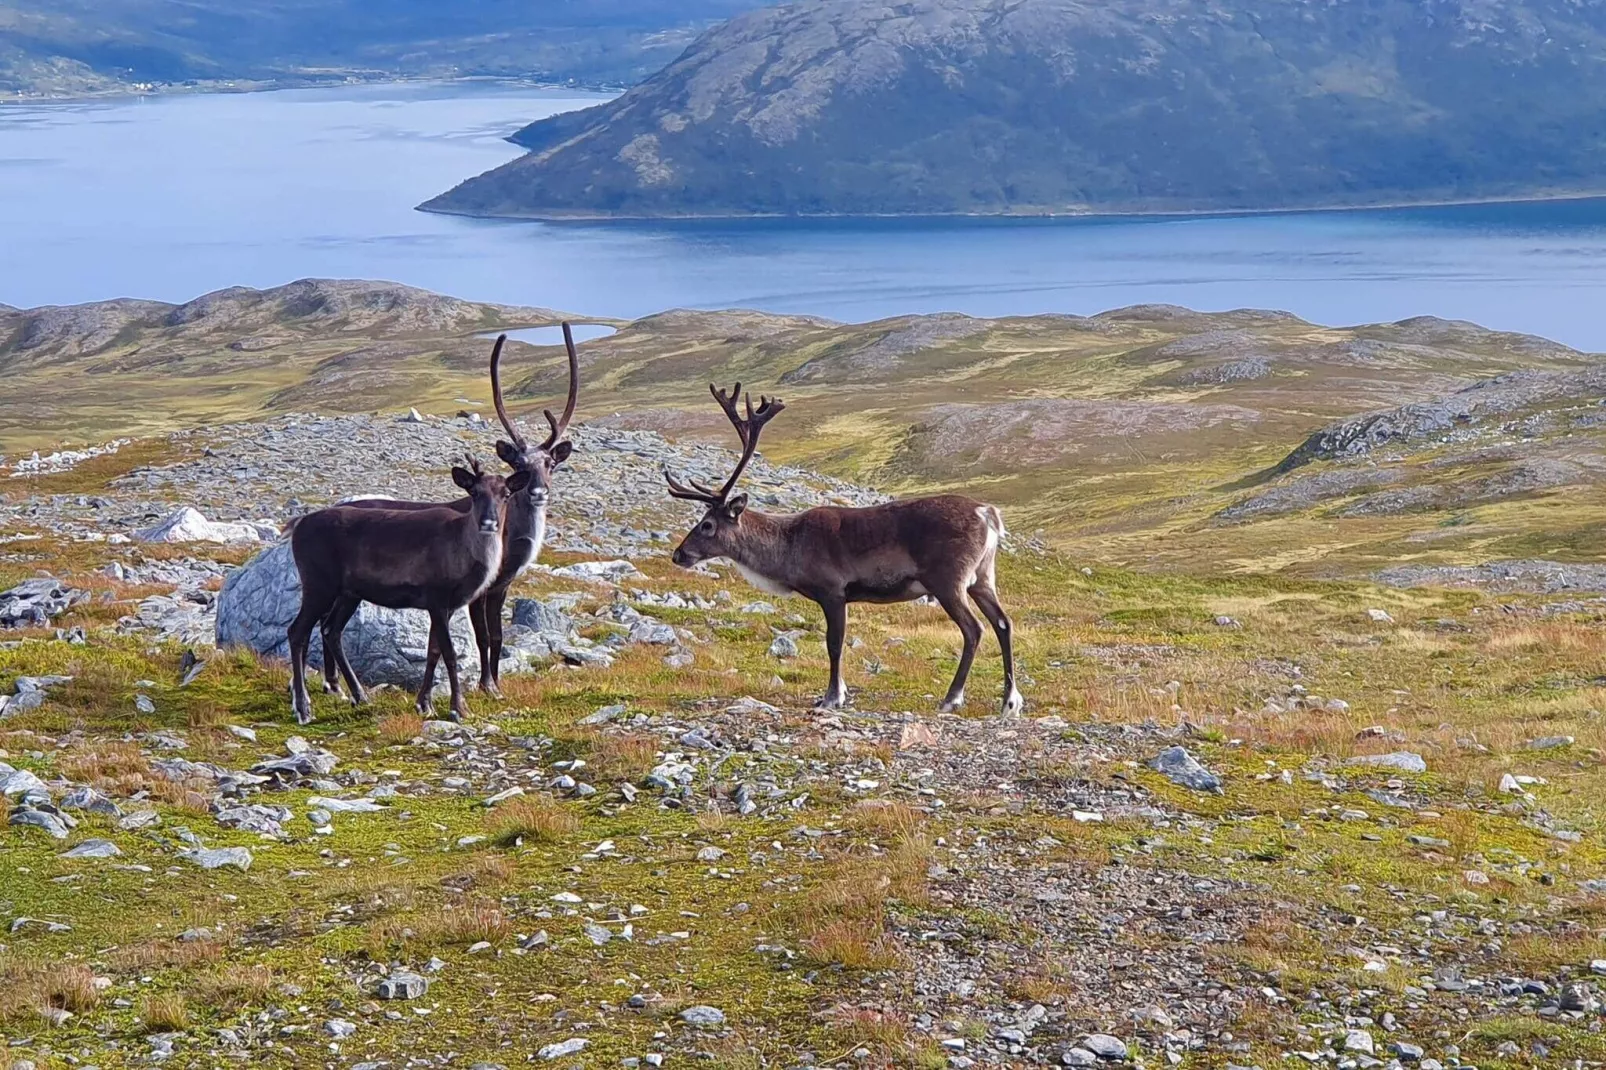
column 987, row 598
column 493, row 626
column 334, row 628
column 482, row 638
column 425, row 700
column 331, row 681
column 313, row 609
column 953, row 601
column 441, row 622
column 836, row 628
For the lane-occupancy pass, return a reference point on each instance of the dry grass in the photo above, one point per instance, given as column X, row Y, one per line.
column 531, row 819
column 875, row 817
column 29, row 988
column 234, row 988
column 398, row 728
column 167, row 1012
column 105, row 763
column 621, row 757
column 486, row 871
column 165, row 954
column 853, row 942
column 452, row 924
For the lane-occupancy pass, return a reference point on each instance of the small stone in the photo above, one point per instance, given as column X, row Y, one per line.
column 1105, row 1046
column 1358, row 1040
column 218, row 857
column 1180, row 767
column 38, row 819
column 1404, row 761
column 1407, row 1052
column 784, row 646
column 402, row 985
column 1078, row 1057
column 1550, row 742
column 339, row 1028
column 711, row 854
column 1380, row 616
column 572, row 1046
column 703, row 1015
column 94, row 849
column 597, row 934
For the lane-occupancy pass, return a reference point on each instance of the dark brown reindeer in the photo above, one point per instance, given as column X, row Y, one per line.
column 945, row 546
column 523, row 531
column 437, row 559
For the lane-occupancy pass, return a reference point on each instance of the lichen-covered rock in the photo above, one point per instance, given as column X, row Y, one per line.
column 191, row 525
column 385, row 646
column 32, row 603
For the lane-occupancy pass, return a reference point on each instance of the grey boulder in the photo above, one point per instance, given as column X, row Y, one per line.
column 1180, row 767
column 385, row 646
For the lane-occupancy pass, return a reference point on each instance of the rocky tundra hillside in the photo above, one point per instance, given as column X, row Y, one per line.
column 1244, row 821
column 836, row 107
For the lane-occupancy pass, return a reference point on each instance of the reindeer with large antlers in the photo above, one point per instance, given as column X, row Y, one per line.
column 523, row 531
column 945, row 546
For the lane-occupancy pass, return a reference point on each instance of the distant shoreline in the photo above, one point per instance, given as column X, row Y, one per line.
column 237, row 86
column 1044, row 215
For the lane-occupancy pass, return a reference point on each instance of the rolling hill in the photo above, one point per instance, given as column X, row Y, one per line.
column 1247, row 440
column 1055, row 106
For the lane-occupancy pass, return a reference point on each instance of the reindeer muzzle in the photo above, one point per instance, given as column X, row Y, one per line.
column 489, row 525
column 539, row 495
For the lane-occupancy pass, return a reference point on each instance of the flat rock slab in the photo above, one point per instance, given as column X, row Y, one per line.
column 94, row 849
column 219, row 857
column 1180, row 767
column 1404, row 761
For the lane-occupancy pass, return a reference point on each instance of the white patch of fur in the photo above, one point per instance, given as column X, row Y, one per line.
column 493, row 562
column 1013, row 703
column 762, row 582
column 993, row 520
column 537, row 537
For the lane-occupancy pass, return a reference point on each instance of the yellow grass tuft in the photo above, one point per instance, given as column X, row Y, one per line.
column 167, row 1012
column 531, row 819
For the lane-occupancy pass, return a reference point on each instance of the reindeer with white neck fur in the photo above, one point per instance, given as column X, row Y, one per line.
column 945, row 546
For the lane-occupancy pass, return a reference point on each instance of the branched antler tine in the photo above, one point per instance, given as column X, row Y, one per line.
column 559, row 426
column 696, row 492
column 749, row 430
column 496, row 392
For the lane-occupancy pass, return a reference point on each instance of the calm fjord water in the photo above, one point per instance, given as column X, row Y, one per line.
column 171, row 197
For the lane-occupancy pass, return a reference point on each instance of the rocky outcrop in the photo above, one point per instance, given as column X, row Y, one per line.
column 1481, row 403
column 33, row 603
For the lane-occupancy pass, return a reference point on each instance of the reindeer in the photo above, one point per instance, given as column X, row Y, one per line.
column 436, row 559
column 523, row 531
column 945, row 546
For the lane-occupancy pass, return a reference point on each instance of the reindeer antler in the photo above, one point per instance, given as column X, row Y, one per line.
column 747, row 430
column 496, row 393
column 560, row 426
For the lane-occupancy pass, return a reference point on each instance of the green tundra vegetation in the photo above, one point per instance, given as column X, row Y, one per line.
column 1190, row 588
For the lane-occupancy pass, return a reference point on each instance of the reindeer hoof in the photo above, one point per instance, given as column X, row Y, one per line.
column 331, row 688
column 952, row 704
column 1013, row 704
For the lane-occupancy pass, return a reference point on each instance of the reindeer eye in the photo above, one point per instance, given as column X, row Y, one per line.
column 707, row 527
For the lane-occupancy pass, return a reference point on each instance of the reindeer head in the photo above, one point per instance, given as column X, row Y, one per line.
column 538, row 462
column 489, row 494
column 718, row 533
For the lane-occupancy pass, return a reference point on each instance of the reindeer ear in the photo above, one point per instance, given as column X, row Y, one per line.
column 518, row 481
column 735, row 506
column 463, row 478
column 508, row 452
column 560, row 453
